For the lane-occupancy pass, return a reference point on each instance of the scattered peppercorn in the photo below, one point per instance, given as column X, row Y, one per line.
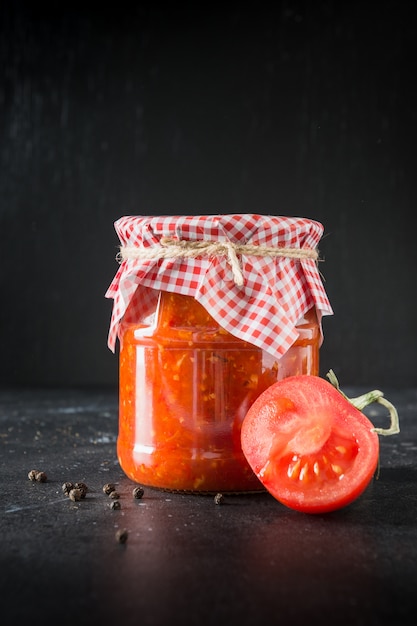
column 37, row 476
column 82, row 487
column 75, row 495
column 218, row 498
column 41, row 477
column 108, row 488
column 32, row 475
column 138, row 492
column 115, row 505
column 122, row 535
column 66, row 487
column 114, row 495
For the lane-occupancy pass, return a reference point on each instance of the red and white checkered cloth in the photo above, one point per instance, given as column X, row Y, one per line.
column 276, row 292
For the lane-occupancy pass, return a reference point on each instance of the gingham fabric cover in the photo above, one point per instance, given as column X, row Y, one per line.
column 276, row 293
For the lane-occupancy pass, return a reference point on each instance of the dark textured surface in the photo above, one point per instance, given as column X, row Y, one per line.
column 290, row 107
column 188, row 560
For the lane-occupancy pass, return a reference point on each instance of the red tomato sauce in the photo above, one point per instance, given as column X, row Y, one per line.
column 185, row 386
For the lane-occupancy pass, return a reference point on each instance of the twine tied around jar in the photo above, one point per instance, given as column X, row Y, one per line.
column 171, row 248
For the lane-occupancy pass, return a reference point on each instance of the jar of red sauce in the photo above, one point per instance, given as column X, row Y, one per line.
column 209, row 312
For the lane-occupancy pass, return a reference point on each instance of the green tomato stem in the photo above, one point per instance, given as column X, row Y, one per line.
column 369, row 398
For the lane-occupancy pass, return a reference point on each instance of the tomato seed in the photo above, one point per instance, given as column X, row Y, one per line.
column 337, row 469
column 303, row 472
column 293, row 470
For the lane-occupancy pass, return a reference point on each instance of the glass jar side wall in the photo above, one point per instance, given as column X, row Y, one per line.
column 184, row 391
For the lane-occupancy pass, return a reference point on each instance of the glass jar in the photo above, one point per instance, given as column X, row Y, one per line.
column 209, row 312
column 185, row 387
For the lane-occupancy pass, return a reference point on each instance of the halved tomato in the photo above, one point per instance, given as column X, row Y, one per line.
column 309, row 446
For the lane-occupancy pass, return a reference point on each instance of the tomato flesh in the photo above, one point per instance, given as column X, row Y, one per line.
column 311, row 449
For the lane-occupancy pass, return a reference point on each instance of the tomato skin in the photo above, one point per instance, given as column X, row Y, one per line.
column 312, row 449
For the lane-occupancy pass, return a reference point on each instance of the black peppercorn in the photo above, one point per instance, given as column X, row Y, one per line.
column 82, row 487
column 108, row 488
column 41, row 477
column 37, row 476
column 114, row 495
column 32, row 475
column 66, row 487
column 115, row 505
column 218, row 498
column 75, row 495
column 138, row 492
column 122, row 535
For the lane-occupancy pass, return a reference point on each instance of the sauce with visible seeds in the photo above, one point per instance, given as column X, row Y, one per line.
column 185, row 387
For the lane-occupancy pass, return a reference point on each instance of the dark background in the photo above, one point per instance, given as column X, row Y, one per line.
column 303, row 108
